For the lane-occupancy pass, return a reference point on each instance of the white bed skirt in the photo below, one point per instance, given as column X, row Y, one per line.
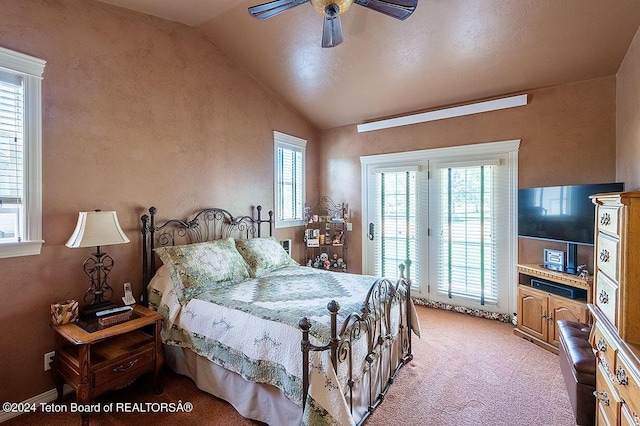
column 254, row 401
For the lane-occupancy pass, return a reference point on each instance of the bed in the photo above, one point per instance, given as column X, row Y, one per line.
column 284, row 344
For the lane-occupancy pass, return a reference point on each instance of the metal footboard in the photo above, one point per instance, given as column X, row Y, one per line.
column 385, row 322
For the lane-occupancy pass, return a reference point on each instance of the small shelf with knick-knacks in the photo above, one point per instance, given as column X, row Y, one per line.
column 325, row 236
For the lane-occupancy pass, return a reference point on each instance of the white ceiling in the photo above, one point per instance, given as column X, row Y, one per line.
column 448, row 52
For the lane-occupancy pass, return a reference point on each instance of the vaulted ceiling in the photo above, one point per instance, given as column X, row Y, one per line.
column 448, row 52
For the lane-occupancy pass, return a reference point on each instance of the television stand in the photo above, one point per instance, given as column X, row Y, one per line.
column 540, row 307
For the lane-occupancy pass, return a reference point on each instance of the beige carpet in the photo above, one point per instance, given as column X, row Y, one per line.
column 466, row 371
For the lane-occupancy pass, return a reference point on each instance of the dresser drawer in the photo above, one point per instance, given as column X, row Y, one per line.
column 607, row 400
column 605, row 348
column 627, row 383
column 628, row 417
column 606, row 297
column 125, row 370
column 608, row 220
column 607, row 255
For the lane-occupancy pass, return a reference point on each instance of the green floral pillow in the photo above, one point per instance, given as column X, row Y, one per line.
column 263, row 255
column 200, row 267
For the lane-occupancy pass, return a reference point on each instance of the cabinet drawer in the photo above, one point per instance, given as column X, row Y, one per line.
column 605, row 348
column 608, row 219
column 124, row 369
column 607, row 255
column 607, row 400
column 606, row 297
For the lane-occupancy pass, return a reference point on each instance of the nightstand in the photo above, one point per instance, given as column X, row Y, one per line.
column 94, row 360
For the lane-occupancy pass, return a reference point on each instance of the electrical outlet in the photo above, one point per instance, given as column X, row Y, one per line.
column 48, row 359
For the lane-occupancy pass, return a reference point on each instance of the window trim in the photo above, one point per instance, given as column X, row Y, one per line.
column 282, row 140
column 31, row 69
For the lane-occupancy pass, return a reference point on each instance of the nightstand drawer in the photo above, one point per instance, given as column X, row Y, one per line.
column 124, row 370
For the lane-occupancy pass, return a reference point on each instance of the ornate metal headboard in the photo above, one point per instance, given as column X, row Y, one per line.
column 206, row 225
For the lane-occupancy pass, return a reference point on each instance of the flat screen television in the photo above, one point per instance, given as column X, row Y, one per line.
column 563, row 214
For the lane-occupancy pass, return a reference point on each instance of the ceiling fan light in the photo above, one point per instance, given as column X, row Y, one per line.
column 322, row 6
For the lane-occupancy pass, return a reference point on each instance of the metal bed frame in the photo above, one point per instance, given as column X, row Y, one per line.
column 386, row 353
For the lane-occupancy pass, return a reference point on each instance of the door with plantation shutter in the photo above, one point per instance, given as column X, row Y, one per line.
column 451, row 212
column 470, row 217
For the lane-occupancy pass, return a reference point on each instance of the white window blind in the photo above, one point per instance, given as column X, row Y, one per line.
column 289, row 180
column 20, row 154
column 11, row 155
column 395, row 210
column 468, row 237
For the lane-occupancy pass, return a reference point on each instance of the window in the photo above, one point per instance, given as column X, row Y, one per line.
column 289, row 180
column 20, row 154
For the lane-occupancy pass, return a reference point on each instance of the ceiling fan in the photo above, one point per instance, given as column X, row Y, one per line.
column 332, row 9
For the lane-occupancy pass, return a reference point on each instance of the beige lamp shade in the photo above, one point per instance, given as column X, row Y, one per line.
column 97, row 228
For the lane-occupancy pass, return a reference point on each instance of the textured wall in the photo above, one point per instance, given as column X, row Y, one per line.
column 138, row 111
column 628, row 117
column 567, row 132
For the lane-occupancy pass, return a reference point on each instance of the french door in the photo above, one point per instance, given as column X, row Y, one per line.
column 450, row 215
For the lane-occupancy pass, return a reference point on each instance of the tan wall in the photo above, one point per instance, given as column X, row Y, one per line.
column 628, row 117
column 567, row 133
column 138, row 111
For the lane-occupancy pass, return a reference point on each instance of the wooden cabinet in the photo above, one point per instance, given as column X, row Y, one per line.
column 94, row 360
column 325, row 235
column 615, row 309
column 538, row 308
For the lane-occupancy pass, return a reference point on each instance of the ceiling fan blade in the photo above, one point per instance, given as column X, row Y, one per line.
column 331, row 31
column 399, row 9
column 267, row 10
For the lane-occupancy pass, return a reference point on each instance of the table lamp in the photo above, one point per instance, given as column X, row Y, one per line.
column 97, row 228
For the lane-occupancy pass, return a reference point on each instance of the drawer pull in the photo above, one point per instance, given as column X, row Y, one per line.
column 636, row 420
column 122, row 368
column 605, row 219
column 603, row 297
column 601, row 346
column 604, row 255
column 621, row 376
column 602, row 396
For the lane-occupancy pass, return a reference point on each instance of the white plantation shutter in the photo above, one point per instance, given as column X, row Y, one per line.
column 11, row 154
column 20, row 154
column 289, row 179
column 396, row 218
column 472, row 202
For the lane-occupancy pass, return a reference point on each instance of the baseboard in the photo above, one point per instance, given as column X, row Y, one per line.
column 44, row 398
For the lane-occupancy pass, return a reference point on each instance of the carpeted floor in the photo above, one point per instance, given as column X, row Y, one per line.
column 466, row 371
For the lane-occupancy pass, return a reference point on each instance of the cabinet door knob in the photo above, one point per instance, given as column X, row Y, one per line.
column 605, row 219
column 602, row 396
column 604, row 255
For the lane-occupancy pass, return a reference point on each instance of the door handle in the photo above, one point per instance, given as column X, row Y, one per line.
column 371, row 228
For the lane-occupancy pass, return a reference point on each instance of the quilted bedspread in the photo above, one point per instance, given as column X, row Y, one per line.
column 251, row 328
